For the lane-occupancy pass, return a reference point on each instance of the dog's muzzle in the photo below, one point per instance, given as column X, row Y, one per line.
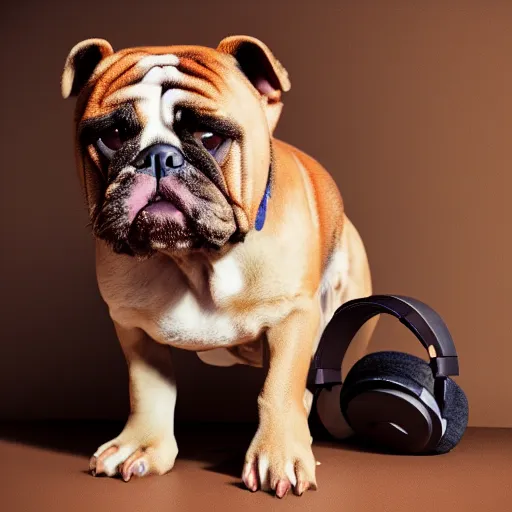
column 159, row 161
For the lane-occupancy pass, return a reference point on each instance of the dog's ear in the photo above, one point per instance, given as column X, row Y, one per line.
column 81, row 63
column 264, row 71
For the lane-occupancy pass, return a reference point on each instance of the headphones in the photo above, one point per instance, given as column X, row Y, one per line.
column 391, row 400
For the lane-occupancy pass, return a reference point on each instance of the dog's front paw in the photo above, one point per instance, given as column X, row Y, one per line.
column 135, row 453
column 280, row 458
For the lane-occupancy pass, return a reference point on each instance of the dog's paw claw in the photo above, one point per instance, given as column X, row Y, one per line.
column 282, row 488
column 302, row 487
column 131, row 458
column 98, row 460
column 135, row 465
column 92, row 465
column 250, row 478
column 263, row 472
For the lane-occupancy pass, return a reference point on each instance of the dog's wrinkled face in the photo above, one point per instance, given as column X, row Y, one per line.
column 173, row 143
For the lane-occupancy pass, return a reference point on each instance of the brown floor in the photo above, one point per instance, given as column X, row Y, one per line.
column 44, row 468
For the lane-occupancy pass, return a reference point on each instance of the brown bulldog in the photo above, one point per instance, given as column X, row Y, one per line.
column 211, row 236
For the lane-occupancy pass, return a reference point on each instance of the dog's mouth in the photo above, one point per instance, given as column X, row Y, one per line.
column 160, row 206
column 153, row 203
column 178, row 212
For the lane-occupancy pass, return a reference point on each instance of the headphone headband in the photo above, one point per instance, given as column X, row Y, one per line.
column 423, row 321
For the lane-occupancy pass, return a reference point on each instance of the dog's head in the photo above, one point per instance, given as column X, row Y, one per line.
column 173, row 144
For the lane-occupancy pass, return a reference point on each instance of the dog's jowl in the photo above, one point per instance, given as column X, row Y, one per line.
column 211, row 236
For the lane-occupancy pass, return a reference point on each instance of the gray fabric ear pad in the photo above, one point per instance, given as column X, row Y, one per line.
column 456, row 413
column 406, row 368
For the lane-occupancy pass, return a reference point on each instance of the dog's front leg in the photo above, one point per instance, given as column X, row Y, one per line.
column 280, row 455
column 147, row 444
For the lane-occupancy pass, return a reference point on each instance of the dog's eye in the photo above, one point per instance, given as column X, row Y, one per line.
column 210, row 141
column 215, row 144
column 110, row 140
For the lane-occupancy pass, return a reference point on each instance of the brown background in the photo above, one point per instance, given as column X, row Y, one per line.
column 408, row 104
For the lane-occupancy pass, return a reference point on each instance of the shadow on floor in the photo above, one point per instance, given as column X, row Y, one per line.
column 220, row 447
column 74, row 437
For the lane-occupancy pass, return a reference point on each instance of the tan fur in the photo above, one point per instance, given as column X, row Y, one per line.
column 281, row 284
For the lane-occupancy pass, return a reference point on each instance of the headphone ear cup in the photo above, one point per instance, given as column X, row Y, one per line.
column 456, row 414
column 381, row 401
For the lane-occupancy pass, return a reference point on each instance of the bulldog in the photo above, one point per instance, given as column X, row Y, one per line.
column 211, row 236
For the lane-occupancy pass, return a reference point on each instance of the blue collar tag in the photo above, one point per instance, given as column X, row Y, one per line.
column 262, row 210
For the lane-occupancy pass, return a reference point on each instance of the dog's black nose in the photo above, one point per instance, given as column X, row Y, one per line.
column 159, row 160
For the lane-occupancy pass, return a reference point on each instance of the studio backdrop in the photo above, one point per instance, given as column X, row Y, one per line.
column 408, row 105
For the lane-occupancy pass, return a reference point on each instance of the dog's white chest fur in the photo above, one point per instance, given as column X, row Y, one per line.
column 182, row 308
column 226, row 279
